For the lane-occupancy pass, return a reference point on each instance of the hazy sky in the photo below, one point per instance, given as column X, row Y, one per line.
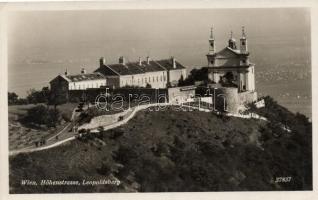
column 73, row 39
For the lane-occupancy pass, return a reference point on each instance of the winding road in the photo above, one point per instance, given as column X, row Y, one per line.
column 117, row 124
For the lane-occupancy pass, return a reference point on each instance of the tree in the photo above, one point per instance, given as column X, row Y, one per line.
column 57, row 98
column 37, row 115
column 40, row 115
column 196, row 75
column 53, row 118
column 12, row 98
column 181, row 81
column 38, row 96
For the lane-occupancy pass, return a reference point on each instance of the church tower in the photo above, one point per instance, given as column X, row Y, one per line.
column 211, row 54
column 211, row 42
column 243, row 42
column 232, row 42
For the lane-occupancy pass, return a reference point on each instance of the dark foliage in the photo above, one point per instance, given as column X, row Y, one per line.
column 12, row 98
column 195, row 75
column 41, row 115
column 181, row 151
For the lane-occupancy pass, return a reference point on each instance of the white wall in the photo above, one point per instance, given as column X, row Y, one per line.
column 112, row 81
column 175, row 75
column 82, row 85
column 157, row 79
column 251, row 79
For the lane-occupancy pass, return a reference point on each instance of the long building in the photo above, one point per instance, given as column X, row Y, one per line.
column 63, row 83
column 151, row 73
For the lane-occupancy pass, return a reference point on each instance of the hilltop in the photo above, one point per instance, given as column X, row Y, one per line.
column 175, row 151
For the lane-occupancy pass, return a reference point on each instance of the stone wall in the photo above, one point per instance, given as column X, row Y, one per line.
column 226, row 99
column 247, row 97
column 105, row 120
column 126, row 93
column 180, row 94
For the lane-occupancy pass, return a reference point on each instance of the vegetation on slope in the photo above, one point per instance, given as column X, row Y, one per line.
column 179, row 151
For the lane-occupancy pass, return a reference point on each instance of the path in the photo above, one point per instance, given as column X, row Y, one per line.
column 120, row 123
column 72, row 137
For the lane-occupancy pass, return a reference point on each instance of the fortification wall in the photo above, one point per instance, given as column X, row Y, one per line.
column 230, row 100
column 105, row 120
column 126, row 93
column 226, row 99
column 247, row 97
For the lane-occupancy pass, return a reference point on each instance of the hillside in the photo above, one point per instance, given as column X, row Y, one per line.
column 177, row 151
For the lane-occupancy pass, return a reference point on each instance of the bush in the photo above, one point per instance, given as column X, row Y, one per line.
column 12, row 98
column 40, row 115
column 66, row 117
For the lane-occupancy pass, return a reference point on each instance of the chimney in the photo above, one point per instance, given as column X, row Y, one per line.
column 139, row 61
column 66, row 72
column 121, row 60
column 83, row 71
column 148, row 60
column 173, row 62
column 102, row 61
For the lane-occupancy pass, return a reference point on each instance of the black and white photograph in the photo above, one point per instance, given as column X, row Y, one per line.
column 147, row 100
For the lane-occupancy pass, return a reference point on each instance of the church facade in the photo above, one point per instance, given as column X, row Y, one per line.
column 232, row 73
column 231, row 66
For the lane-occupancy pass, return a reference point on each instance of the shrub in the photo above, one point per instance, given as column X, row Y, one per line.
column 40, row 115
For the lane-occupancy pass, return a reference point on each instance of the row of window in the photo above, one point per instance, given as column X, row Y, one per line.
column 146, row 80
column 75, row 86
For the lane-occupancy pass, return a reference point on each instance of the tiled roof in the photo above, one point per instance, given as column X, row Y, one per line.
column 151, row 67
column 127, row 69
column 229, row 52
column 135, row 68
column 106, row 71
column 85, row 77
column 167, row 64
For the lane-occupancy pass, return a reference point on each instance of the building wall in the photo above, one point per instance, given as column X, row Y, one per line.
column 138, row 80
column 227, row 62
column 175, row 75
column 251, row 79
column 113, row 81
column 82, row 85
column 180, row 94
column 247, row 97
column 125, row 80
column 156, row 79
column 227, row 100
column 59, row 88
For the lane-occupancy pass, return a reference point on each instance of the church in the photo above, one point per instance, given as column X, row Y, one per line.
column 231, row 66
column 231, row 72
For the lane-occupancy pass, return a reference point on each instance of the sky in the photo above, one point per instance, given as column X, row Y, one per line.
column 42, row 44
